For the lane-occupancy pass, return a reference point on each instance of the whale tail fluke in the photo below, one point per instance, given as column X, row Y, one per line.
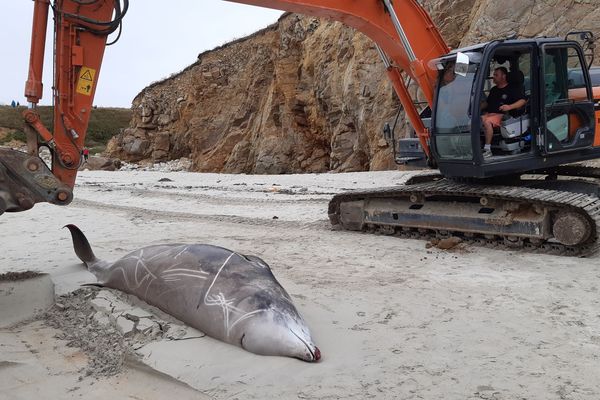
column 81, row 245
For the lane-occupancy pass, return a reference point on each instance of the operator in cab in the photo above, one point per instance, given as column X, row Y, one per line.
column 503, row 98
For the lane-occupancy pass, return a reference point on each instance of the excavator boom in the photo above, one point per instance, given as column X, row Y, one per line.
column 81, row 28
column 403, row 32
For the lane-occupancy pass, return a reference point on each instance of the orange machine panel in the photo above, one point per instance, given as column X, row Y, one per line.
column 597, row 131
column 581, row 94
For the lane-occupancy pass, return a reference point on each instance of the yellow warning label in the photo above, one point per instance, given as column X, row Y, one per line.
column 86, row 81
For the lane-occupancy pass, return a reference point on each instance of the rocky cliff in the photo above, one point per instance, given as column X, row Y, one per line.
column 308, row 95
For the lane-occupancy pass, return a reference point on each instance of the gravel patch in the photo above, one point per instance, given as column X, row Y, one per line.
column 109, row 326
column 104, row 345
column 18, row 276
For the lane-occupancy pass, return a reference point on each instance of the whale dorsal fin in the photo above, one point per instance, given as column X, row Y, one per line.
column 81, row 245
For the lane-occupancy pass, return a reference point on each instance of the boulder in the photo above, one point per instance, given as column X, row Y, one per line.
column 98, row 163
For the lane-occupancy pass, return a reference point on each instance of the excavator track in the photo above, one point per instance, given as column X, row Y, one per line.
column 522, row 215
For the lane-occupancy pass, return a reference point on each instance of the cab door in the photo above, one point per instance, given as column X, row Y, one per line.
column 567, row 122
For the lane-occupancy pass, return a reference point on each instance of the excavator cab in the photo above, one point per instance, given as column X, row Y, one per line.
column 556, row 125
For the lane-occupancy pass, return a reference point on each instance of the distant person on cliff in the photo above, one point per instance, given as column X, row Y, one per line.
column 86, row 154
column 13, row 104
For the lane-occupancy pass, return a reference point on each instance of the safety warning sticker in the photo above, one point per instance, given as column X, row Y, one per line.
column 86, row 81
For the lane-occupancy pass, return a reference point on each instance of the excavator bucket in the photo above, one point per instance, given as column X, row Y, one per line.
column 26, row 180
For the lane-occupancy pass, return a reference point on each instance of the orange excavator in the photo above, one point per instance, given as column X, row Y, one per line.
column 529, row 191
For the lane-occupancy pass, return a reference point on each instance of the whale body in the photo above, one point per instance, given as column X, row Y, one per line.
column 229, row 296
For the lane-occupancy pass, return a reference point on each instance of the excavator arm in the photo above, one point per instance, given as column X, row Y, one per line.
column 406, row 38
column 403, row 32
column 81, row 29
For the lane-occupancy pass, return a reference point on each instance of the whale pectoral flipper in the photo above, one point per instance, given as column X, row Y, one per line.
column 99, row 285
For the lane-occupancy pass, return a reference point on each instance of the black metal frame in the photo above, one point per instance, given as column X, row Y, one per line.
column 537, row 158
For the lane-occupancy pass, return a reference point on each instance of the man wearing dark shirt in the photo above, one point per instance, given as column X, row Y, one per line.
column 502, row 98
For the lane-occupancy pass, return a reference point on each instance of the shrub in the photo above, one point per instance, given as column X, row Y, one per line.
column 104, row 123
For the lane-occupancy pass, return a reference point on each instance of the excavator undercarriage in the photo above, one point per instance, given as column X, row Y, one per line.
column 556, row 211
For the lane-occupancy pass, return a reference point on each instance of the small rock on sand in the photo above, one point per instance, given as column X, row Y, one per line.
column 444, row 244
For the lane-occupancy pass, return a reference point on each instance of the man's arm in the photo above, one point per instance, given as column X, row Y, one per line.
column 514, row 106
column 484, row 103
column 518, row 98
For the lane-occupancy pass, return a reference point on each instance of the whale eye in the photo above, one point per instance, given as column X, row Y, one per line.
column 255, row 260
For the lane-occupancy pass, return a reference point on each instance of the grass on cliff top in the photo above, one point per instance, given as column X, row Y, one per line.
column 104, row 123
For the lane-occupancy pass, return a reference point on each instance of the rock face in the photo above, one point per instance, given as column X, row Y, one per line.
column 308, row 95
column 301, row 96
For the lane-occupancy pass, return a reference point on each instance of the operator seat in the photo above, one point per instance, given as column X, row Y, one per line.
column 516, row 79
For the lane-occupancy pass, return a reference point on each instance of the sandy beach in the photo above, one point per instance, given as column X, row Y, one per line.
column 393, row 319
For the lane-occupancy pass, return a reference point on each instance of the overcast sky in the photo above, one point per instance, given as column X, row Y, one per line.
column 159, row 38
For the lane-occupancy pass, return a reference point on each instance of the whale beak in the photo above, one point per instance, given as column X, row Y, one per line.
column 314, row 354
column 317, row 354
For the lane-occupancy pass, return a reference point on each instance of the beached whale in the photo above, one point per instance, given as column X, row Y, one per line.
column 227, row 295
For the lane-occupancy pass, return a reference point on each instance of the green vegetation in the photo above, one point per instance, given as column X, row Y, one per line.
column 15, row 135
column 104, row 124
